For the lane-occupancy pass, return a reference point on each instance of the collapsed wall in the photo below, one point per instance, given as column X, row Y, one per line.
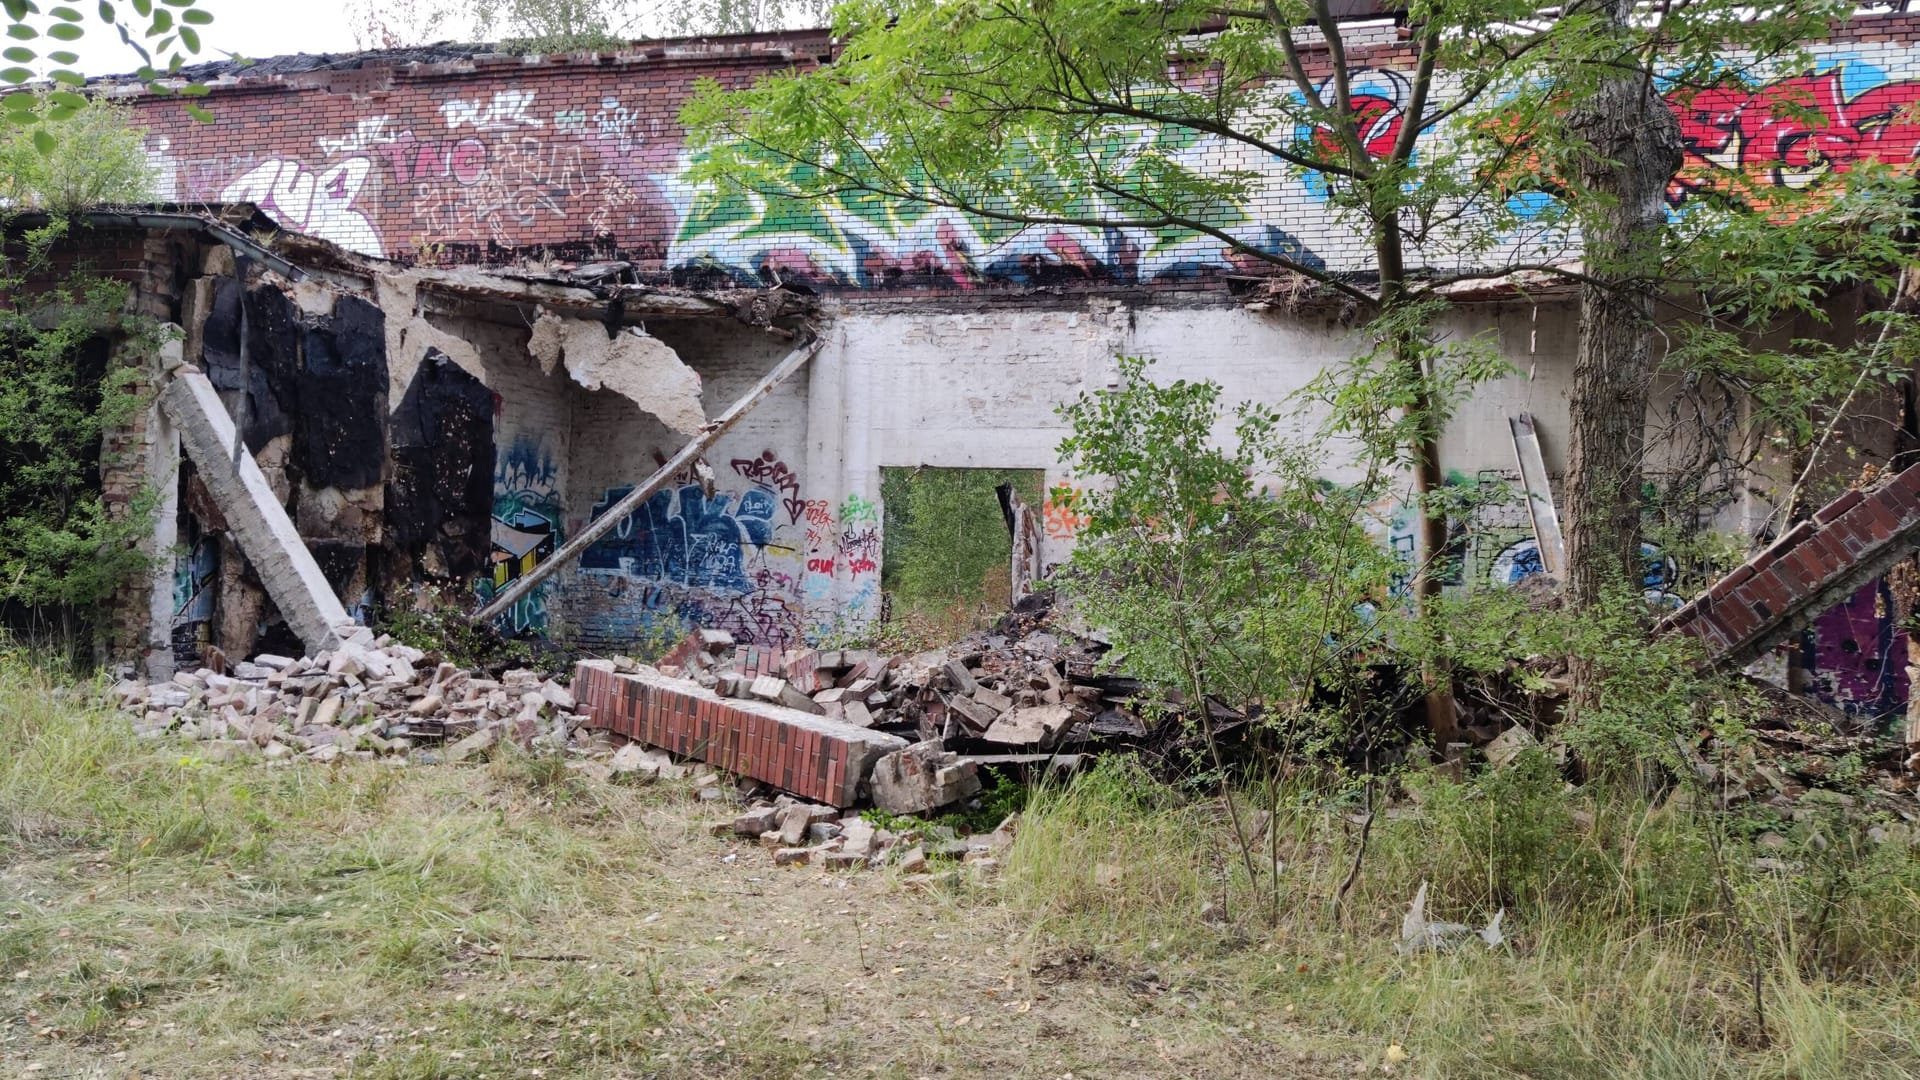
column 512, row 411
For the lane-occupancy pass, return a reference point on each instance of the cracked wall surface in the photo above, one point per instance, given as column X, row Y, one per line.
column 629, row 362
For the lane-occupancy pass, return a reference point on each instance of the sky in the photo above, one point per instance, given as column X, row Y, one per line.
column 247, row 27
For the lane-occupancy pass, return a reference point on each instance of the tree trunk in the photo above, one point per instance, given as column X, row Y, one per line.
column 1632, row 150
column 1430, row 531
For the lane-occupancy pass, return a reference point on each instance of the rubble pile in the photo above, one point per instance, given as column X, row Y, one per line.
column 1025, row 693
column 800, row 833
column 370, row 698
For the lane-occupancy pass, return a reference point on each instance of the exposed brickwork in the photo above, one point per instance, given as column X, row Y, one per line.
column 480, row 159
column 1851, row 539
column 808, row 755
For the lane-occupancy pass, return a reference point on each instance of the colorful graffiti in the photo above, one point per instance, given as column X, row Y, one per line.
column 526, row 529
column 516, row 165
column 1794, row 132
column 864, row 241
column 685, row 537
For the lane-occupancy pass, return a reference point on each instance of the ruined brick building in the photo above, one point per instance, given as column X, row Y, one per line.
column 427, row 372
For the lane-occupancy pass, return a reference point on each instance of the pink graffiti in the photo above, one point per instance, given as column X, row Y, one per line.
column 413, row 160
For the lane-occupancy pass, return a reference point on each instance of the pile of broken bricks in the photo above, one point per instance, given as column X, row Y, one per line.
column 1023, row 694
column 370, row 698
column 801, row 833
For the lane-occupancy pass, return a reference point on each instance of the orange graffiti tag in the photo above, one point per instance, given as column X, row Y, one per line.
column 1062, row 513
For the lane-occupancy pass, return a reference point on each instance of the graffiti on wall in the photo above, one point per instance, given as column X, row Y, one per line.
column 684, row 536
column 1062, row 512
column 754, row 557
column 1854, row 656
column 1489, row 538
column 320, row 203
column 515, row 164
column 526, row 529
column 769, row 471
column 1794, row 132
column 862, row 241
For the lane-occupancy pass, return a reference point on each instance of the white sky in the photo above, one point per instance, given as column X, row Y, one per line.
column 257, row 28
column 247, row 27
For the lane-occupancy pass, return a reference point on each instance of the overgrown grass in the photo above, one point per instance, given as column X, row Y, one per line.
column 252, row 908
column 165, row 916
column 1624, row 958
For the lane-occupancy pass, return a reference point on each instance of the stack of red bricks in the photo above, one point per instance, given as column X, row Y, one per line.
column 1861, row 533
column 811, row 756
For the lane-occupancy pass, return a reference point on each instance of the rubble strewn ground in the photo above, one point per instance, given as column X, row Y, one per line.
column 1020, row 697
column 164, row 914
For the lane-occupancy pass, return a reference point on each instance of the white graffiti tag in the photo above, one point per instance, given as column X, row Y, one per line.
column 318, row 205
column 509, row 109
column 368, row 132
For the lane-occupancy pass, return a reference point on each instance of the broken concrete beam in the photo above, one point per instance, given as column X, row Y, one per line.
column 813, row 757
column 254, row 515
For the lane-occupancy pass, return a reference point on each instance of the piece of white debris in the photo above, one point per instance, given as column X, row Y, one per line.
column 1419, row 935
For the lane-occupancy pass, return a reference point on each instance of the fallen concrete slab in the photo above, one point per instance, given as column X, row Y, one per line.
column 259, row 523
column 811, row 756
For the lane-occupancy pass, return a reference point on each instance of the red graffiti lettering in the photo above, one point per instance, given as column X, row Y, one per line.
column 1792, row 133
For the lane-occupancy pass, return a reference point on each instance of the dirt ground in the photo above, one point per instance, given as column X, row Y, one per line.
column 470, row 922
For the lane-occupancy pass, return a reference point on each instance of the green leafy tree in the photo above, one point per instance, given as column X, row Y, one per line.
column 1221, row 573
column 547, row 26
column 40, row 47
column 688, row 17
column 97, row 158
column 61, row 552
column 1595, row 124
column 1105, row 114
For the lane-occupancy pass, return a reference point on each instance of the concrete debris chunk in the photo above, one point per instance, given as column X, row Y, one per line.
column 1417, row 934
column 922, row 777
column 1508, row 745
column 760, row 819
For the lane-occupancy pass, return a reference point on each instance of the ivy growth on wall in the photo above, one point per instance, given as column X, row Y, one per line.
column 61, row 553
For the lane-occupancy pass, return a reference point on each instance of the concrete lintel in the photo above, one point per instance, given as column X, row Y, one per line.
column 259, row 523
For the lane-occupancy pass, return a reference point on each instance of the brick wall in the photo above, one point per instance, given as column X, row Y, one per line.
column 474, row 160
column 811, row 756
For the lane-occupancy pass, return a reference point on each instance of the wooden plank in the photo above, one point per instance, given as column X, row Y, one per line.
column 688, row 454
column 1533, row 476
